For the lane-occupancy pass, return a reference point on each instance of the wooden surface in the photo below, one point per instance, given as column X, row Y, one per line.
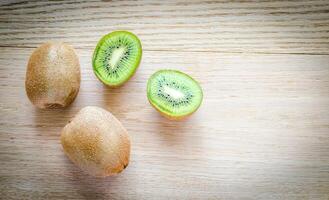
column 262, row 131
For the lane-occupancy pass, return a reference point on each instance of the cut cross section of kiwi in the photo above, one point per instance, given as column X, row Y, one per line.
column 116, row 57
column 174, row 94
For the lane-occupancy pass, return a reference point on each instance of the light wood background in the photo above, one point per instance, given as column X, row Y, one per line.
column 262, row 131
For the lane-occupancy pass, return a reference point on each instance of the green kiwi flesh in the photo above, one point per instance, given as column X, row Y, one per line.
column 116, row 57
column 173, row 93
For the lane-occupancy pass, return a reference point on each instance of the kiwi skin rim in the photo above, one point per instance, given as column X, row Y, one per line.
column 98, row 46
column 173, row 117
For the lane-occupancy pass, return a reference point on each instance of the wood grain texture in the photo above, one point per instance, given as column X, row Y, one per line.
column 300, row 26
column 261, row 132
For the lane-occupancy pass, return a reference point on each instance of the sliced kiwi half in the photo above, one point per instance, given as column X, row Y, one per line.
column 174, row 94
column 116, row 57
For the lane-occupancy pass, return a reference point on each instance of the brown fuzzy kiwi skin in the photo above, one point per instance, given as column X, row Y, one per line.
column 53, row 75
column 96, row 142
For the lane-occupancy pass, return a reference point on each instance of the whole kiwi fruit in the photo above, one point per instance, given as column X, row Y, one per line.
column 53, row 75
column 96, row 142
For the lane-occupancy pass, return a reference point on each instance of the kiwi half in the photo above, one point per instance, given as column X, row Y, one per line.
column 173, row 93
column 116, row 57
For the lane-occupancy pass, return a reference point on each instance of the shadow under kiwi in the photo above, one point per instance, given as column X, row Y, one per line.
column 90, row 187
column 113, row 99
column 119, row 100
column 49, row 122
column 176, row 132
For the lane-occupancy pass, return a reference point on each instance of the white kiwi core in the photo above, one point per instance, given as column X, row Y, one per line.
column 173, row 93
column 116, row 56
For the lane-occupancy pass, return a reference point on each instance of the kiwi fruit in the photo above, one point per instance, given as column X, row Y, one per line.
column 174, row 94
column 116, row 57
column 96, row 142
column 52, row 75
